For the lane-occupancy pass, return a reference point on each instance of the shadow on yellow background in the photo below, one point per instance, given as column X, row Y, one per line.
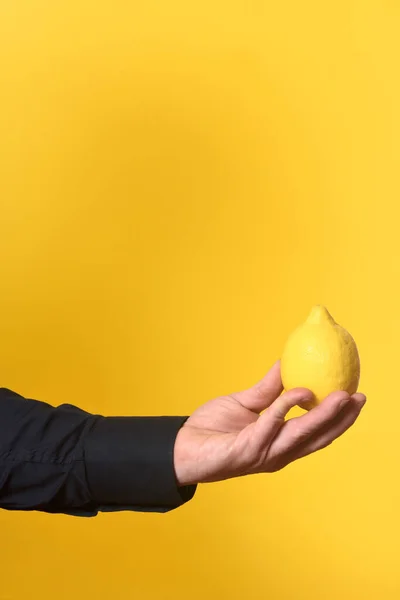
column 180, row 182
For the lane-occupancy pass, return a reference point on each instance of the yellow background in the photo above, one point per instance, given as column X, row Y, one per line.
column 180, row 182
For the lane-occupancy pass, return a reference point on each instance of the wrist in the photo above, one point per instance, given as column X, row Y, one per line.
column 183, row 461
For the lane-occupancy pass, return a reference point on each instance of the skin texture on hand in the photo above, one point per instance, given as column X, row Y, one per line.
column 247, row 432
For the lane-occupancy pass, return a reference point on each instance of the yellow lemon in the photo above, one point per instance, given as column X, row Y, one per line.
column 322, row 356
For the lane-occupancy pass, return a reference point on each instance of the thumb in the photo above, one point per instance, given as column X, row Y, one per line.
column 263, row 394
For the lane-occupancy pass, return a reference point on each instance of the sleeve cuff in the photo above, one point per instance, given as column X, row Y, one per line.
column 130, row 464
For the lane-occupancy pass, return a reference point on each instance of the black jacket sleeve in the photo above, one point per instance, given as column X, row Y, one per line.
column 65, row 460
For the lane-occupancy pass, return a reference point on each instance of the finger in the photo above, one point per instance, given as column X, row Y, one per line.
column 301, row 428
column 298, row 430
column 274, row 417
column 359, row 398
column 261, row 395
column 337, row 428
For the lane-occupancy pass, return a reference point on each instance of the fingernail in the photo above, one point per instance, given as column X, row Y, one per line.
column 308, row 402
column 344, row 401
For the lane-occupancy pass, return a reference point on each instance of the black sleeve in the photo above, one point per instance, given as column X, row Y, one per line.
column 65, row 460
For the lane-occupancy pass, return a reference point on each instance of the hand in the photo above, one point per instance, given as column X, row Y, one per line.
column 228, row 437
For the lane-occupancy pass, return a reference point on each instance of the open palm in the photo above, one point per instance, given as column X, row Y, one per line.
column 247, row 432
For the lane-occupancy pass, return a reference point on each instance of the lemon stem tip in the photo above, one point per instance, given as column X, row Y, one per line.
column 319, row 314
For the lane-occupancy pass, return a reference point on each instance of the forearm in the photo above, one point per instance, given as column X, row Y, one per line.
column 69, row 461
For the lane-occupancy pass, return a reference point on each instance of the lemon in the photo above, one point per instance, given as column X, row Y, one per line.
column 322, row 356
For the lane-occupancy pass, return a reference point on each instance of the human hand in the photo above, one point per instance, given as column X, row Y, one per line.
column 228, row 437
